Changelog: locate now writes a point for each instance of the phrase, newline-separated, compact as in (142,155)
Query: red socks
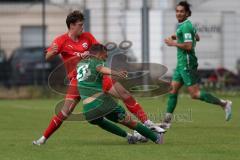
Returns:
(135,108)
(54,124)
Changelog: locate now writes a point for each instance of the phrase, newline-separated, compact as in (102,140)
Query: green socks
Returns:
(146,132)
(209,98)
(172,102)
(110,127)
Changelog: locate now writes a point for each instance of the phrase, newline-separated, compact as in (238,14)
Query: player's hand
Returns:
(122,74)
(169,41)
(173,37)
(54,48)
(85,55)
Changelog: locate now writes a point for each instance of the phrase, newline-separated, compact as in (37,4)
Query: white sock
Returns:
(168,115)
(42,139)
(128,135)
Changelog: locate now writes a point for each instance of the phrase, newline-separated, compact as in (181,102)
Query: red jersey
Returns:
(70,50)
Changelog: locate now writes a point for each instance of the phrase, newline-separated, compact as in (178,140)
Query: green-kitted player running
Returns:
(100,108)
(186,70)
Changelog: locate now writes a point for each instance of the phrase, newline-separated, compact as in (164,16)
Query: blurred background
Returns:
(27,27)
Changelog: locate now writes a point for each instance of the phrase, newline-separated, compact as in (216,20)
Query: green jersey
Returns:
(90,83)
(186,32)
(89,79)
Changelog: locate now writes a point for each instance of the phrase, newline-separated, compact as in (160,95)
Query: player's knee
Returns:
(194,95)
(174,91)
(128,121)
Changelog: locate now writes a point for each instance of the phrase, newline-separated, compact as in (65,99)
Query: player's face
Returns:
(181,14)
(77,28)
(103,55)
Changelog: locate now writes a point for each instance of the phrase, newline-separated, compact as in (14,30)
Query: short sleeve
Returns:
(187,33)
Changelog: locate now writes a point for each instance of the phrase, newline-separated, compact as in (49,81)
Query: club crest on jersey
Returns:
(85,45)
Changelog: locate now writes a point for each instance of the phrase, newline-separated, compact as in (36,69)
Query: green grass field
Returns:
(199,132)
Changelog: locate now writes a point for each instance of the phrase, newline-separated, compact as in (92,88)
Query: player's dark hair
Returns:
(97,48)
(186,6)
(73,17)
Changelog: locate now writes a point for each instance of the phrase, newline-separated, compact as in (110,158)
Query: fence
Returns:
(30,26)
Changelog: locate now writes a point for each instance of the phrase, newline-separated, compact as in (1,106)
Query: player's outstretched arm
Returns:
(108,71)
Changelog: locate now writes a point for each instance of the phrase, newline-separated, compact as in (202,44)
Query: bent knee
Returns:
(194,95)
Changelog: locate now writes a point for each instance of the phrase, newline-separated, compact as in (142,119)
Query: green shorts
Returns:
(104,106)
(188,77)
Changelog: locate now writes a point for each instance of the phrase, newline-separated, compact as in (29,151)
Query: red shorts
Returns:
(72,90)
(107,83)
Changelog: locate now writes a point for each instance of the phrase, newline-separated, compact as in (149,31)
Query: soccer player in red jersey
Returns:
(72,47)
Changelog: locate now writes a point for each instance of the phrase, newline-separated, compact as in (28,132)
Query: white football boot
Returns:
(42,140)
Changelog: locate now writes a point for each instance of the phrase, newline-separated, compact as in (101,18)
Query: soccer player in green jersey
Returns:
(186,71)
(99,107)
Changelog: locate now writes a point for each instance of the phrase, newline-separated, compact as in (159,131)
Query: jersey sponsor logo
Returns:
(188,36)
(77,54)
(85,45)
(70,46)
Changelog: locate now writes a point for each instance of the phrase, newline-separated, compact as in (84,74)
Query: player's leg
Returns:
(190,78)
(71,100)
(117,90)
(176,85)
(173,96)
(202,95)
(119,115)
(110,127)
(103,104)
(91,112)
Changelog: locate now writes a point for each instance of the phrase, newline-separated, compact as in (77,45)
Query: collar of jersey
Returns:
(183,22)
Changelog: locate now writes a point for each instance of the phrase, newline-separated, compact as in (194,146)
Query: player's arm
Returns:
(186,45)
(108,71)
(197,37)
(174,37)
(187,39)
(51,52)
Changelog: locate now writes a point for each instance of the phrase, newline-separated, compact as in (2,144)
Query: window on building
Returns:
(31,36)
